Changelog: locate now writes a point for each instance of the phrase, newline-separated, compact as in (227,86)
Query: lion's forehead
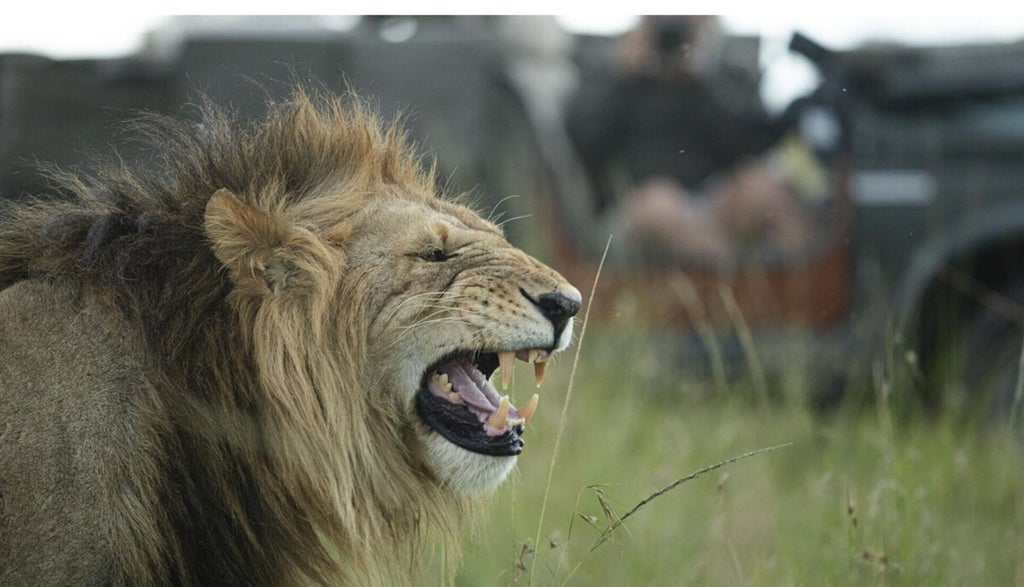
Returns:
(466,217)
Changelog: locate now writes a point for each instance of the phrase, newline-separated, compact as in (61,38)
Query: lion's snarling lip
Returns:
(457,400)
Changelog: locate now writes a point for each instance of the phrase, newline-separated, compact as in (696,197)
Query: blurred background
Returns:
(814,234)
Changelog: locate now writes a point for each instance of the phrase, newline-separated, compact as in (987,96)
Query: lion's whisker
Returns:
(490,217)
(504,222)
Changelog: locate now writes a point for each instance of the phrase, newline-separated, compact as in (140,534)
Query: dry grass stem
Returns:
(614,525)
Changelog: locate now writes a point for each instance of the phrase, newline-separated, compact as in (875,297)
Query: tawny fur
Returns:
(241,346)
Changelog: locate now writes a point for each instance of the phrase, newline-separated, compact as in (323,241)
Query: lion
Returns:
(264,359)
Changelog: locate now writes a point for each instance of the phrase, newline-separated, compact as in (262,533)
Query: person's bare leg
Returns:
(661,211)
(757,203)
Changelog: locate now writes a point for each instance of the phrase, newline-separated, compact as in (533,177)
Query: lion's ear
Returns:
(248,242)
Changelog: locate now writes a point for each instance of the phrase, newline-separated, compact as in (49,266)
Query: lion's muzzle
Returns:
(557,307)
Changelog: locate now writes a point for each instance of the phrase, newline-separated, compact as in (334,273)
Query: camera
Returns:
(672,34)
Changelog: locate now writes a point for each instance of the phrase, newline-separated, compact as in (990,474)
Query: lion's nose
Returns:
(558,308)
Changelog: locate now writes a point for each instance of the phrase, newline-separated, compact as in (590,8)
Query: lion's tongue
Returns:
(494,412)
(471,385)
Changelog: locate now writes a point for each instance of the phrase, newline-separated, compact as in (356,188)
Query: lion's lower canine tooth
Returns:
(455,398)
(538,372)
(506,362)
(526,412)
(532,355)
(500,417)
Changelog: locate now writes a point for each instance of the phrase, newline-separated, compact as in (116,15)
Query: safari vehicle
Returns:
(919,261)
(938,143)
(922,222)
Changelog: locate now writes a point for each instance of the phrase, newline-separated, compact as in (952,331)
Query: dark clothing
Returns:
(652,127)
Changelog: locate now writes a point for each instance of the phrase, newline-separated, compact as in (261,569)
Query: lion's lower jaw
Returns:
(464,472)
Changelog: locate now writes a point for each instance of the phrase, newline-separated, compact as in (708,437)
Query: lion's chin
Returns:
(464,472)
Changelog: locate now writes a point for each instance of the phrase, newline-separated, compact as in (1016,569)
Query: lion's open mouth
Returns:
(458,401)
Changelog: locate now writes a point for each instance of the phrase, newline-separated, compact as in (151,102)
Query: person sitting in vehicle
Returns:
(700,184)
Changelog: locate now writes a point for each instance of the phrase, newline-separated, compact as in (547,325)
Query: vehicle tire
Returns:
(991,361)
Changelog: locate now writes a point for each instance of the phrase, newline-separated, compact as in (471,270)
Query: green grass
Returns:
(859,497)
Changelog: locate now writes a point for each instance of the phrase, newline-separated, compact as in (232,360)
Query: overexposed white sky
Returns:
(95,31)
(60,35)
(92,31)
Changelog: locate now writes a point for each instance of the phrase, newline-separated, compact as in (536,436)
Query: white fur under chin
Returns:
(465,472)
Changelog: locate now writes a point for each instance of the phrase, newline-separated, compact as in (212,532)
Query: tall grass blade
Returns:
(565,405)
(684,289)
(1018,392)
(757,373)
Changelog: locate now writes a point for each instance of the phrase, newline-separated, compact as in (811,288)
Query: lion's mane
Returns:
(253,477)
